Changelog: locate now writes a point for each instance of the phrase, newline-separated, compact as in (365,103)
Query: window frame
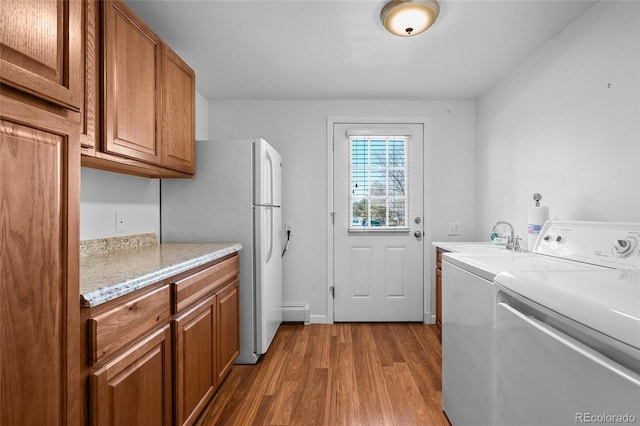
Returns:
(387,199)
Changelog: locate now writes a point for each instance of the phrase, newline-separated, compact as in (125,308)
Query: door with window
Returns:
(378,222)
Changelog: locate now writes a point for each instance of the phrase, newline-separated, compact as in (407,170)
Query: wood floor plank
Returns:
(338,374)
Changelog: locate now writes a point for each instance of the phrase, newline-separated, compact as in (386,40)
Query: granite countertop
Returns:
(104,277)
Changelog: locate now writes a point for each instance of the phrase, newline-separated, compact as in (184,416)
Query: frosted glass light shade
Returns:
(406,18)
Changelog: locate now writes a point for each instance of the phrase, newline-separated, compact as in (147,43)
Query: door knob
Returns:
(417,234)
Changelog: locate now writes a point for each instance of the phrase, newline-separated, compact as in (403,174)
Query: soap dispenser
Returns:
(537,217)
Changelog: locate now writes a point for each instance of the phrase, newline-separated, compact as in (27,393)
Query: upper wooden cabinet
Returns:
(147,101)
(132,61)
(90,111)
(178,120)
(40,49)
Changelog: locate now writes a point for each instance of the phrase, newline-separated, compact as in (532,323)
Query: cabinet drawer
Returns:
(111,330)
(194,287)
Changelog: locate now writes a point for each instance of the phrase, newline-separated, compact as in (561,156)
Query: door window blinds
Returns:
(379,185)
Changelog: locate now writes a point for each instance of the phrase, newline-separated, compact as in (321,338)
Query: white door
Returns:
(378,223)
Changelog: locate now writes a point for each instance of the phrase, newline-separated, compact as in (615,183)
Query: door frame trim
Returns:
(332,120)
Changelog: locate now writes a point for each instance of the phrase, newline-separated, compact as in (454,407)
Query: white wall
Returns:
(202,118)
(298,129)
(566,123)
(104,193)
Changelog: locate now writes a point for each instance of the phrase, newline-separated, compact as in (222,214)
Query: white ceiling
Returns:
(332,49)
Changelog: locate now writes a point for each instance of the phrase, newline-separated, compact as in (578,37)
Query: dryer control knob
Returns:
(624,247)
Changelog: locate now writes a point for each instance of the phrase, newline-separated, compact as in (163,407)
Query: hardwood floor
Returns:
(338,374)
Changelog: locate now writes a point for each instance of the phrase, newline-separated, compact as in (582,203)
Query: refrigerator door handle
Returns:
(270,227)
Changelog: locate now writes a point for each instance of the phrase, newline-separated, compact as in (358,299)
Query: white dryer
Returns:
(469,367)
(567,343)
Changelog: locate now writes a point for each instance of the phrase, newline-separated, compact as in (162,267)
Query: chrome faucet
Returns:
(513,243)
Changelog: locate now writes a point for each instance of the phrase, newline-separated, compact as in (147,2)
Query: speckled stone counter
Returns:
(109,245)
(104,277)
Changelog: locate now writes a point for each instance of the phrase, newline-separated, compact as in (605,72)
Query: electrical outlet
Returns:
(454,229)
(288,227)
(120,223)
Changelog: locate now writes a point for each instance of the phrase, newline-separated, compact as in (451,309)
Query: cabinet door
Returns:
(89,113)
(132,60)
(228,324)
(135,387)
(40,50)
(195,371)
(39,266)
(178,113)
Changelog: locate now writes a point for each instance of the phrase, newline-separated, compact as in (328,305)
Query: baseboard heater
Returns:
(296,313)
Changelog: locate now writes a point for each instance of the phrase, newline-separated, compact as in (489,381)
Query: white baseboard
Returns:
(296,313)
(318,319)
(429,318)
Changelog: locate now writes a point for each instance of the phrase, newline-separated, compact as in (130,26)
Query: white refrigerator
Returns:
(236,196)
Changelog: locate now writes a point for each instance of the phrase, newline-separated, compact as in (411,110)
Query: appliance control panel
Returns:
(614,245)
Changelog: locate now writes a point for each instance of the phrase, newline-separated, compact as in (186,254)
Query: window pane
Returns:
(396,153)
(396,183)
(378,213)
(359,154)
(359,183)
(397,213)
(378,154)
(378,182)
(360,213)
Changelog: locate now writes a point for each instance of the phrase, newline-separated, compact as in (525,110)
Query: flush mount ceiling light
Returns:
(406,18)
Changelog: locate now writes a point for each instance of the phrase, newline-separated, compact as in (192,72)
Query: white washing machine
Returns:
(468,301)
(567,343)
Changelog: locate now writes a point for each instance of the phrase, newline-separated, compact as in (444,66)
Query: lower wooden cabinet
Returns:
(134,388)
(439,252)
(206,336)
(228,323)
(156,356)
(195,369)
